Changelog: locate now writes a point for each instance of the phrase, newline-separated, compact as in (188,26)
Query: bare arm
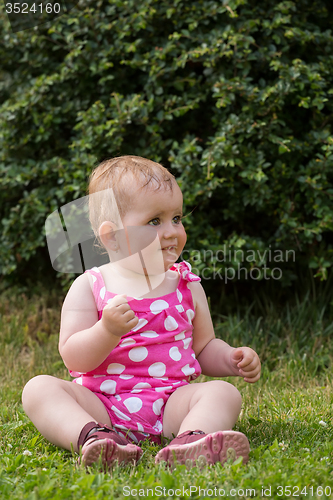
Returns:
(85,341)
(216,357)
(212,354)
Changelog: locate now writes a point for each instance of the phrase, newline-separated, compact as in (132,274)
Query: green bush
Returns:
(235,97)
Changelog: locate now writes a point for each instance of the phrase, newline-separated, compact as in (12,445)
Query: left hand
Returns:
(247,363)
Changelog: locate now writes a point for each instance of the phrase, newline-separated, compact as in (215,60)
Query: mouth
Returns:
(169,249)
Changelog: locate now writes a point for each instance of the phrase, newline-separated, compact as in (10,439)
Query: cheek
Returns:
(182,237)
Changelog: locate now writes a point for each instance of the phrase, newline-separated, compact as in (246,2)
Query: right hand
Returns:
(117,317)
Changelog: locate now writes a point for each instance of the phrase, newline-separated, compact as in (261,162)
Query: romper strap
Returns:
(98,287)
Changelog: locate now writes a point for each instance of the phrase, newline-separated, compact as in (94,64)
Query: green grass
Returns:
(287,415)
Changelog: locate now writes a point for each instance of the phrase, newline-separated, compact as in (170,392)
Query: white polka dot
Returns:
(179,295)
(149,334)
(188,370)
(158,306)
(180,336)
(158,426)
(138,354)
(120,414)
(79,381)
(126,377)
(108,386)
(132,436)
(119,426)
(190,275)
(160,389)
(187,342)
(115,369)
(185,273)
(118,398)
(133,404)
(93,278)
(170,323)
(193,355)
(96,269)
(157,369)
(141,385)
(190,315)
(142,322)
(140,428)
(127,342)
(157,406)
(180,308)
(102,292)
(174,353)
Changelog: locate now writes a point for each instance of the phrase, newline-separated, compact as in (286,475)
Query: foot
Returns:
(197,448)
(99,442)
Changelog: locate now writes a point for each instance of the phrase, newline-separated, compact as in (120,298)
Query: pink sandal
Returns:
(100,442)
(197,448)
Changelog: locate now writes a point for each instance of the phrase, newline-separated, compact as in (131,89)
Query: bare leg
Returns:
(208,406)
(60,409)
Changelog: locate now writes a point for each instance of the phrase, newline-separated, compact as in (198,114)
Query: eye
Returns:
(177,219)
(154,222)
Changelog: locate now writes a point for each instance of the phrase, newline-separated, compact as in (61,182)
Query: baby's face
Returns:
(154,221)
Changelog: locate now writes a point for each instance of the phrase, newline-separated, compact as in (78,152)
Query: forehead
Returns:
(154,196)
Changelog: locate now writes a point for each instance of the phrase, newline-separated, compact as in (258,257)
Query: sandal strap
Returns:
(187,437)
(93,430)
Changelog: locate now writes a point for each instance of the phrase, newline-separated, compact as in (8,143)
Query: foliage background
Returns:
(235,97)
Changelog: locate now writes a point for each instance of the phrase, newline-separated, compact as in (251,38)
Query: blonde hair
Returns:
(111,181)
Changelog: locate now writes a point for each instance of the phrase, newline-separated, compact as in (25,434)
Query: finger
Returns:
(123,308)
(120,299)
(130,315)
(249,363)
(250,374)
(116,301)
(133,322)
(252,380)
(237,355)
(246,361)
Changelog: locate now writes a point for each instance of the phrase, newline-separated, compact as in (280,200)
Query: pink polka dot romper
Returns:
(150,362)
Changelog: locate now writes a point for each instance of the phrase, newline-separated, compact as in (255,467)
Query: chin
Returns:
(168,265)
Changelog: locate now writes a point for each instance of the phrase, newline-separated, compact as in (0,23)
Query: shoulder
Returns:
(81,280)
(80,292)
(198,293)
(84,280)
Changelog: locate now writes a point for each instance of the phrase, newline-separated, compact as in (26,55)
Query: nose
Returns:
(168,230)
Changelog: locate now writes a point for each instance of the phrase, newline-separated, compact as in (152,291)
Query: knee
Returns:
(227,392)
(34,390)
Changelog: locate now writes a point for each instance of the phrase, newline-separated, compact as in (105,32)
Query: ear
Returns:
(107,235)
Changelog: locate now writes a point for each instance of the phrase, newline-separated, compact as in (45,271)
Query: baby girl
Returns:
(135,332)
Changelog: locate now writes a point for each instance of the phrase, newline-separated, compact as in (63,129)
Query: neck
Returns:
(139,283)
